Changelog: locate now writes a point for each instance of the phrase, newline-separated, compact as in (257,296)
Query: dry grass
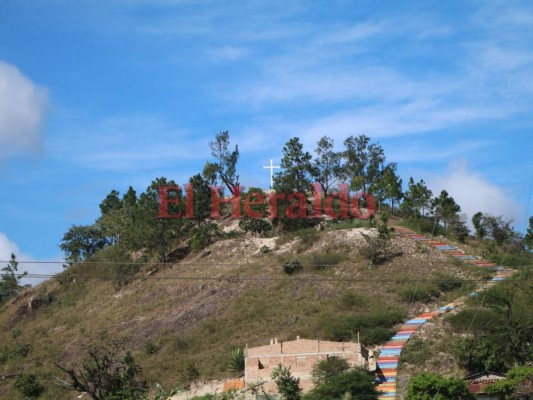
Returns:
(200,321)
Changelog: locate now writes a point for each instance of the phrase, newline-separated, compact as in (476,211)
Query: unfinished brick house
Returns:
(300,355)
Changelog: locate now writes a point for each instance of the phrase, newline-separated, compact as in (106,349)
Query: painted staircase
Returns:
(389,357)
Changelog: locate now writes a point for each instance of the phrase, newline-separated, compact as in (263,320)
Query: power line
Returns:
(239,278)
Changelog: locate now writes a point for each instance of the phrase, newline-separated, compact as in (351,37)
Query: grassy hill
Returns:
(182,319)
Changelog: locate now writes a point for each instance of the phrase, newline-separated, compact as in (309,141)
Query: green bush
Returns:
(447,282)
(255,226)
(423,292)
(201,236)
(325,370)
(474,320)
(324,260)
(15,352)
(373,328)
(187,372)
(416,352)
(265,250)
(351,299)
(236,363)
(478,354)
(291,267)
(432,386)
(150,348)
(357,383)
(29,386)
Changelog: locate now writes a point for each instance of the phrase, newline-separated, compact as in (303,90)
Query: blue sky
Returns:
(96,96)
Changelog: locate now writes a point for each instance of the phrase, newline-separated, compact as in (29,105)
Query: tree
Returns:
(111,202)
(528,239)
(10,280)
(354,384)
(388,185)
(430,386)
(325,370)
(444,208)
(477,221)
(326,168)
(201,197)
(225,165)
(493,227)
(81,241)
(296,165)
(417,198)
(159,235)
(293,181)
(458,228)
(364,161)
(477,354)
(288,386)
(510,388)
(108,373)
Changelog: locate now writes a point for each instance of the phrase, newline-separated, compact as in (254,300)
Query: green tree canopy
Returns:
(296,169)
(444,208)
(355,384)
(326,168)
(430,386)
(10,280)
(364,161)
(225,165)
(288,385)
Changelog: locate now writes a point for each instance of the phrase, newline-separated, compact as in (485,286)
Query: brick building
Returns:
(478,381)
(300,355)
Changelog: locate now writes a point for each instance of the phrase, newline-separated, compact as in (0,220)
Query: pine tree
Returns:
(10,280)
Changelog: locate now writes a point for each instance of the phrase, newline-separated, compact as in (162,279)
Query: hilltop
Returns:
(182,319)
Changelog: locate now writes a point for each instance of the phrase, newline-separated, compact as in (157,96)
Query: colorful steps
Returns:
(389,357)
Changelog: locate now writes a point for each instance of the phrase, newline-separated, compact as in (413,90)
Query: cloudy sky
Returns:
(100,95)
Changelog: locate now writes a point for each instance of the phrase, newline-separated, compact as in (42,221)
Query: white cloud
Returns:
(8,247)
(22,109)
(473,192)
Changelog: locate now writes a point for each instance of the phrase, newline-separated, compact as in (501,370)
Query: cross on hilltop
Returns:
(271,167)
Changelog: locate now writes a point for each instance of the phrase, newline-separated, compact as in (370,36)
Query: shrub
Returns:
(447,282)
(265,250)
(373,328)
(150,348)
(325,370)
(291,267)
(201,236)
(187,372)
(416,352)
(433,386)
(255,226)
(352,299)
(29,386)
(423,292)
(478,354)
(288,386)
(109,372)
(358,384)
(324,260)
(236,362)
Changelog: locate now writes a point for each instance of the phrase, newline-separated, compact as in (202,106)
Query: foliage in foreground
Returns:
(288,385)
(108,373)
(430,386)
(353,384)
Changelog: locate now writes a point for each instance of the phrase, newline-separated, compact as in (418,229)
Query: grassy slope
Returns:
(200,321)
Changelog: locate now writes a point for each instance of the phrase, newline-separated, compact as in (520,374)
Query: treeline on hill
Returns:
(129,230)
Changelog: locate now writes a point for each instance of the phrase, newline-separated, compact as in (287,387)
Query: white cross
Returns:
(271,167)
